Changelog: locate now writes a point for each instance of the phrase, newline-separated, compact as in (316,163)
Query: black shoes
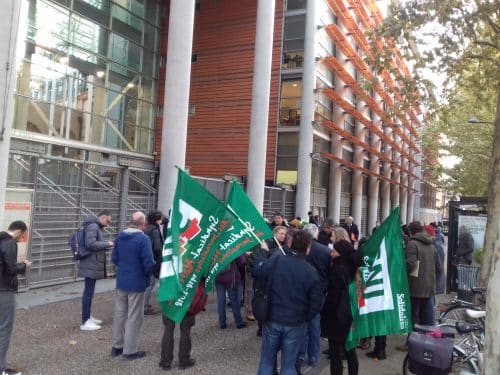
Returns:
(115,352)
(242,325)
(166,367)
(380,355)
(189,363)
(136,355)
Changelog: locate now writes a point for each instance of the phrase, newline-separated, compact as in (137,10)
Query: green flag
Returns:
(380,299)
(197,222)
(243,235)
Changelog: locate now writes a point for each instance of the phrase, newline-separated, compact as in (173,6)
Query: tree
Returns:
(467,49)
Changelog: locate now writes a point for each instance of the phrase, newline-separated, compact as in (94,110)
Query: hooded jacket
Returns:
(9,267)
(94,265)
(155,236)
(133,258)
(420,249)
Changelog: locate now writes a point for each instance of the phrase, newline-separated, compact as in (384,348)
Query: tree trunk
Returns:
(491,258)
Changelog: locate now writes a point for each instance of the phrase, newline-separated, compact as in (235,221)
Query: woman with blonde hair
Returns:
(338,234)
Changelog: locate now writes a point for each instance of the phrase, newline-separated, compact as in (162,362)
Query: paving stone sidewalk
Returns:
(47,340)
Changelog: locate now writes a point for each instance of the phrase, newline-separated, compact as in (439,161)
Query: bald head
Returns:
(138,219)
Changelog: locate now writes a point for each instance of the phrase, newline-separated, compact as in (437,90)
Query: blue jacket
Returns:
(296,295)
(133,257)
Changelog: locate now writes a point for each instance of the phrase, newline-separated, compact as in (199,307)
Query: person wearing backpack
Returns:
(167,344)
(93,266)
(9,269)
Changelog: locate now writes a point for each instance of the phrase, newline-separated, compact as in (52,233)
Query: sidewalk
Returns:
(47,340)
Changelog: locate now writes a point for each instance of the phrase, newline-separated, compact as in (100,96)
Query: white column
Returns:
(8,34)
(304,163)
(335,178)
(397,175)
(374,183)
(175,109)
(259,116)
(385,208)
(357,178)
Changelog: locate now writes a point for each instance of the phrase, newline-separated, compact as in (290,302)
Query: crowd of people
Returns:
(305,268)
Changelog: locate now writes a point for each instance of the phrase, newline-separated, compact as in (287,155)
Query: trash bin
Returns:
(467,276)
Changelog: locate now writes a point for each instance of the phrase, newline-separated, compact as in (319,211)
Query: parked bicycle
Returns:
(455,312)
(445,348)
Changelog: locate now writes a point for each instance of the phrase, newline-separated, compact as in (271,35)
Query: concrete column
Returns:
(397,176)
(175,109)
(374,184)
(403,198)
(122,222)
(259,116)
(411,201)
(357,178)
(8,34)
(335,178)
(304,167)
(385,208)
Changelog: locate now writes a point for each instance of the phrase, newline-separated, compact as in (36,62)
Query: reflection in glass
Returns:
(84,75)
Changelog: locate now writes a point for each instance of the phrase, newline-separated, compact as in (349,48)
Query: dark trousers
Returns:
(88,294)
(167,344)
(336,367)
(422,311)
(7,310)
(380,343)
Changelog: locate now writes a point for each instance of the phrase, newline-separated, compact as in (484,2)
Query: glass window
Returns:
(294,31)
(288,146)
(77,80)
(346,181)
(291,92)
(296,4)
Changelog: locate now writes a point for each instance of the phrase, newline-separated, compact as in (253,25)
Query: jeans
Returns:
(7,311)
(234,299)
(276,337)
(310,344)
(422,311)
(149,289)
(88,294)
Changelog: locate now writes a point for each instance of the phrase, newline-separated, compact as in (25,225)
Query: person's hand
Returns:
(110,243)
(27,263)
(335,254)
(263,246)
(248,253)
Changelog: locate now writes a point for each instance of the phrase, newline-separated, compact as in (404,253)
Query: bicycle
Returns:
(467,356)
(456,311)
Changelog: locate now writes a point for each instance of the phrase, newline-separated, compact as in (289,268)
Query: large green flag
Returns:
(380,299)
(243,235)
(197,222)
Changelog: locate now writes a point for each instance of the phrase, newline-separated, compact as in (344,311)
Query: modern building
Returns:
(101,99)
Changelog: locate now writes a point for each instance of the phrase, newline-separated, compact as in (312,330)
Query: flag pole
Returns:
(244,224)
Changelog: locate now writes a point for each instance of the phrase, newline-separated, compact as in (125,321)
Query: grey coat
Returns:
(94,265)
(420,249)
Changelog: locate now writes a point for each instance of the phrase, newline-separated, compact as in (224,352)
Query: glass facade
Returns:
(87,70)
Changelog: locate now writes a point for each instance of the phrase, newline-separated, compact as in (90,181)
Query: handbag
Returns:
(414,272)
(261,300)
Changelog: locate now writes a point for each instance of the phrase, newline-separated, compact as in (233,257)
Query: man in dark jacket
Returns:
(320,258)
(352,229)
(9,269)
(133,258)
(326,232)
(422,264)
(295,299)
(153,231)
(93,266)
(465,246)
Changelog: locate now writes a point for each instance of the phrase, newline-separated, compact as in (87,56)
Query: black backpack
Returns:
(76,241)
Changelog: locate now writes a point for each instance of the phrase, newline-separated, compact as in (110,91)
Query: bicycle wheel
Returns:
(406,364)
(454,314)
(463,364)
